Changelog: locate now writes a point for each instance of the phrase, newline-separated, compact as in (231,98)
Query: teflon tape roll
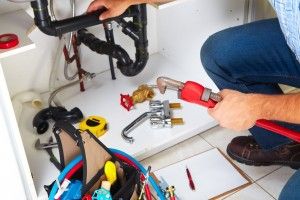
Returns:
(8,40)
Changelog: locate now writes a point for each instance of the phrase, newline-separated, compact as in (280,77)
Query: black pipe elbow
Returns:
(40,121)
(48,30)
(137,27)
(136,67)
(43,20)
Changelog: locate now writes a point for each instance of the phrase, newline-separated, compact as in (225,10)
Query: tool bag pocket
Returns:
(72,142)
(128,188)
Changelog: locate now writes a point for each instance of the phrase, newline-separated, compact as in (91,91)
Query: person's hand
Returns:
(237,111)
(114,7)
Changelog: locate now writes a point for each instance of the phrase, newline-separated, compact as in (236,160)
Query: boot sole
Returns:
(245,161)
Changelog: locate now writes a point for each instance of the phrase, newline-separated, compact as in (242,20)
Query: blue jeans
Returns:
(253,58)
(291,190)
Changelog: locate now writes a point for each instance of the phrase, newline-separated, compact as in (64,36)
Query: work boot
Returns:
(245,149)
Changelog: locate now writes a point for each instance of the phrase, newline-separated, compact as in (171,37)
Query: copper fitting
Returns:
(164,82)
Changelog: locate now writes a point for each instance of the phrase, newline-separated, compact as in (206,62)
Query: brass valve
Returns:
(143,93)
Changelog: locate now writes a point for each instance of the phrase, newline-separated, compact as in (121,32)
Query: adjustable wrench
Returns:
(195,93)
(48,148)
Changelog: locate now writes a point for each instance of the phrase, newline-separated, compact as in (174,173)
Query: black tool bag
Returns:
(72,142)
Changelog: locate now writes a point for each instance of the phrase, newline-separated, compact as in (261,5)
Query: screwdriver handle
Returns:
(191,182)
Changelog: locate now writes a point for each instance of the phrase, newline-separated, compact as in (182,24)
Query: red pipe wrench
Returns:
(195,93)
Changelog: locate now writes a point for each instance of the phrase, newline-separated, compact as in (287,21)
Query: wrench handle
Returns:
(192,92)
(271,126)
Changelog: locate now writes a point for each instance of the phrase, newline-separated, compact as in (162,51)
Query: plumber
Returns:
(246,63)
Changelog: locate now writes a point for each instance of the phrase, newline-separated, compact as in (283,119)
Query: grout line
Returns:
(185,158)
(178,145)
(247,187)
(199,135)
(181,159)
(268,174)
(205,139)
(266,191)
(264,177)
(236,192)
(254,182)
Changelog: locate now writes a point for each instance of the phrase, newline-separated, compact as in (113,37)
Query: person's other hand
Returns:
(237,111)
(114,7)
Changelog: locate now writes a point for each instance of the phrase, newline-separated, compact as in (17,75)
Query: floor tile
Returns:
(221,137)
(181,151)
(256,172)
(252,192)
(274,182)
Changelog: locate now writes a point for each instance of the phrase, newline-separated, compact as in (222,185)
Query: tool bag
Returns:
(72,142)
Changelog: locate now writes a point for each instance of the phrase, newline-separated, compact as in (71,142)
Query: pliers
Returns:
(195,93)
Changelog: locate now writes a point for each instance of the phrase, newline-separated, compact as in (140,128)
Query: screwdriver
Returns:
(191,182)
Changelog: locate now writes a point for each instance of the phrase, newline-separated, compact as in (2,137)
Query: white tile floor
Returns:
(267,181)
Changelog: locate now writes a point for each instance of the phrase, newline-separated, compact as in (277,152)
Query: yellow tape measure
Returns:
(95,124)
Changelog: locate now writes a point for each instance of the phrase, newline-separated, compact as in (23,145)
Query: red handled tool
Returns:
(195,93)
(190,178)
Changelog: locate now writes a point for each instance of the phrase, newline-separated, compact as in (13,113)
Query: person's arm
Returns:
(239,111)
(116,7)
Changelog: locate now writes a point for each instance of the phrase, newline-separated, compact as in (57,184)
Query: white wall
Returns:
(183,28)
(34,66)
(7,6)
(261,9)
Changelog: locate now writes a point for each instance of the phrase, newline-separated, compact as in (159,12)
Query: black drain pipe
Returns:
(137,27)
(136,30)
(57,28)
(103,47)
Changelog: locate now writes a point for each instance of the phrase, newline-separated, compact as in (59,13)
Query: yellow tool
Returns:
(95,124)
(110,171)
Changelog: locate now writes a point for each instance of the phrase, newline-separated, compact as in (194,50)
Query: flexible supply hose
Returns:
(54,93)
(69,46)
(69,43)
(87,76)
(51,7)
(53,73)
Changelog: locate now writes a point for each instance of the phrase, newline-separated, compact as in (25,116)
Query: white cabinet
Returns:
(14,171)
(176,33)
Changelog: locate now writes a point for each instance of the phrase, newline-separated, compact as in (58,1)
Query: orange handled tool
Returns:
(195,93)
